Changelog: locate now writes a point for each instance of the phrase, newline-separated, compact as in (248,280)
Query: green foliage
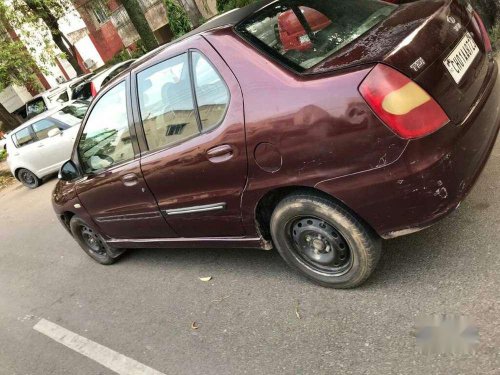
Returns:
(3,154)
(16,65)
(178,19)
(125,55)
(489,11)
(226,5)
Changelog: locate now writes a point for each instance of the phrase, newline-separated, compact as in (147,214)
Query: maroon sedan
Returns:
(319,127)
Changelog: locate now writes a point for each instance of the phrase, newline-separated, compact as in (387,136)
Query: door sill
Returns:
(198,242)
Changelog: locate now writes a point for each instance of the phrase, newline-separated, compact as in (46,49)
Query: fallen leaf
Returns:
(194,325)
(206,278)
(297,310)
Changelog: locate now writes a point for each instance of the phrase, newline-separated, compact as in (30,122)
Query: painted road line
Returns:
(115,361)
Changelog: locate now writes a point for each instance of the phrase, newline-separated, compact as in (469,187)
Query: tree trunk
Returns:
(140,23)
(193,12)
(41,10)
(9,122)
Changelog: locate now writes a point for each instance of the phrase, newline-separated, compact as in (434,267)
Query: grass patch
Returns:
(6,179)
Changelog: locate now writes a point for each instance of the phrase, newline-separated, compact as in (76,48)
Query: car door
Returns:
(193,140)
(113,190)
(51,152)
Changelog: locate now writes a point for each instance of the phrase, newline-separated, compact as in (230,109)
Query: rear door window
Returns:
(23,137)
(166,103)
(212,94)
(43,127)
(302,33)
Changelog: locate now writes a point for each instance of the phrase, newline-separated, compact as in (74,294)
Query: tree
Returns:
(226,5)
(177,18)
(22,13)
(193,12)
(140,23)
(16,67)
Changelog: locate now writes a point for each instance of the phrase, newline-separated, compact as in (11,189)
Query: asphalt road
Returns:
(144,306)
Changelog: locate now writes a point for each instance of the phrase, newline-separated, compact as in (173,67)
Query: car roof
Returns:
(227,19)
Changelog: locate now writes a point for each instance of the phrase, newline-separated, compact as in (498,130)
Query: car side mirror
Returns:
(54,132)
(68,171)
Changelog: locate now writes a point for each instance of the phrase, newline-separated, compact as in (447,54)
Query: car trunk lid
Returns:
(417,39)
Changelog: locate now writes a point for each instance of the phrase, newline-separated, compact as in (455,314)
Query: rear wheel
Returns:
(93,243)
(28,178)
(324,242)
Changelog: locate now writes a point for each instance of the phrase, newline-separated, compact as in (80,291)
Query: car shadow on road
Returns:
(404,260)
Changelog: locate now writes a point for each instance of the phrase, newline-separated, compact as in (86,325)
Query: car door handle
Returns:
(130,179)
(220,154)
(40,145)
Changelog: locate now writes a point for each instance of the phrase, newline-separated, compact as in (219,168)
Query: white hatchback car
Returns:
(41,145)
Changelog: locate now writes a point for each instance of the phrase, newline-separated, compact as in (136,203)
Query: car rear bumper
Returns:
(431,178)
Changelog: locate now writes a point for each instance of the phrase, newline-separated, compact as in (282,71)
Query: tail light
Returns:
(401,104)
(484,32)
(93,90)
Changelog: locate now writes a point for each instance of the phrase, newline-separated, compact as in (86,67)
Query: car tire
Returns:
(93,243)
(324,241)
(28,178)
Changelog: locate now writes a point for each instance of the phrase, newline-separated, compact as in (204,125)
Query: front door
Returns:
(195,162)
(113,190)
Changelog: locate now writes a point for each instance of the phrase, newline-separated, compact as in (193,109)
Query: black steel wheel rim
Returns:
(320,245)
(27,177)
(93,241)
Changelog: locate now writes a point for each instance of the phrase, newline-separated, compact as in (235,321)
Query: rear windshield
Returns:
(302,33)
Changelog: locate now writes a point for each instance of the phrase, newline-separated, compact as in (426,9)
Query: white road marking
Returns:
(115,361)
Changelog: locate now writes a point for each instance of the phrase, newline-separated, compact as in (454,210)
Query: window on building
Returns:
(99,10)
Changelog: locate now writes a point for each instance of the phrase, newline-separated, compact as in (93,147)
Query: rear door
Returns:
(113,190)
(52,151)
(193,140)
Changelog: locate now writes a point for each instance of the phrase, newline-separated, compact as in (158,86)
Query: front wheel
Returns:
(324,242)
(93,243)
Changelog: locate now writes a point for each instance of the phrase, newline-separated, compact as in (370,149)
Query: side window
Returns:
(23,137)
(105,140)
(166,103)
(36,107)
(42,128)
(212,94)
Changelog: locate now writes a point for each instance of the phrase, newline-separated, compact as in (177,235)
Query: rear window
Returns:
(301,34)
(35,107)
(72,114)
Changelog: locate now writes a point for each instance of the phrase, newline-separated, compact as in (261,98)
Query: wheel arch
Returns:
(18,168)
(268,202)
(65,218)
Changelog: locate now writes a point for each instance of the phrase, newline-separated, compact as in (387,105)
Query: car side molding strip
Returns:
(195,209)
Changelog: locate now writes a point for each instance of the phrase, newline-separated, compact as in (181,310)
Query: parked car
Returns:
(377,127)
(41,145)
(53,98)
(90,87)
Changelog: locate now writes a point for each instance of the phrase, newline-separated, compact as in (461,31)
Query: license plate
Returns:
(462,57)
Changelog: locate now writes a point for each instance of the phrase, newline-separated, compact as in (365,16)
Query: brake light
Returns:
(401,104)
(484,32)
(93,90)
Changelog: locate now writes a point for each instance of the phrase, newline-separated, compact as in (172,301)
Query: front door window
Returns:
(106,140)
